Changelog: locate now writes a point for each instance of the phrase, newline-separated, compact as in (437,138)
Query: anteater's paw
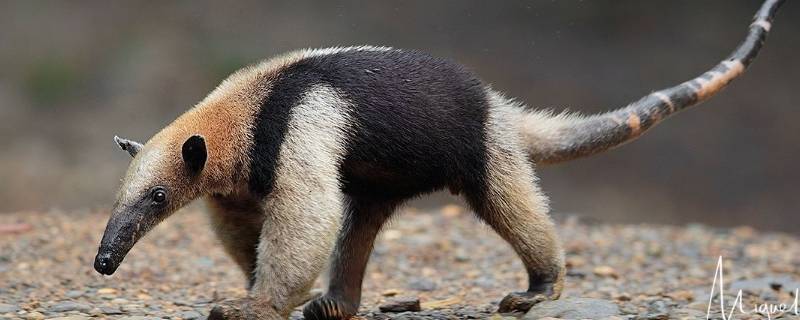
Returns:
(328,308)
(520,301)
(243,309)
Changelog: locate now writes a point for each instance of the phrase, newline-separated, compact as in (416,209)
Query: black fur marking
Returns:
(750,47)
(271,124)
(419,122)
(681,96)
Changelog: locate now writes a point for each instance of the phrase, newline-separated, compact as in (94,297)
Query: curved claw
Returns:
(244,309)
(328,308)
(520,301)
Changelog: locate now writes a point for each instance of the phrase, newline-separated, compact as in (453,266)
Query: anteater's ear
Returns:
(194,153)
(132,147)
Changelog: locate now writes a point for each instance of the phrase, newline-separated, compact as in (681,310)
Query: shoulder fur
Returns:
(225,118)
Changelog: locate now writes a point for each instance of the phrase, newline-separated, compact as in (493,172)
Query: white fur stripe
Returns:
(335,50)
(664,98)
(304,209)
(764,24)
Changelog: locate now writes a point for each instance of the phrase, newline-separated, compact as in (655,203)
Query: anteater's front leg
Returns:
(297,238)
(302,210)
(237,223)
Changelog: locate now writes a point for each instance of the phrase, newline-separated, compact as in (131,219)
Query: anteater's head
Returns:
(165,175)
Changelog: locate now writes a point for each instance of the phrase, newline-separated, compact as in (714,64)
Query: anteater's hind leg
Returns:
(362,222)
(512,204)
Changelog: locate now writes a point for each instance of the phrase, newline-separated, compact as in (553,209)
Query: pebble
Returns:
(390,292)
(66,306)
(401,304)
(34,316)
(658,310)
(605,271)
(6,308)
(72,294)
(573,308)
(107,291)
(190,315)
(110,310)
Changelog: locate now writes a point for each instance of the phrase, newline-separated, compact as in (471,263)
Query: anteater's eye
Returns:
(159,196)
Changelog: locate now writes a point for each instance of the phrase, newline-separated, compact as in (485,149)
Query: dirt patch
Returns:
(456,266)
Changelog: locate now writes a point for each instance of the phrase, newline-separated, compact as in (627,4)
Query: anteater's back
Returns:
(418,120)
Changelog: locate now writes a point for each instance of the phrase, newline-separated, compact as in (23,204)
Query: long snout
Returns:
(122,232)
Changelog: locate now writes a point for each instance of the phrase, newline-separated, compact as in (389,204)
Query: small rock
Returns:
(131,308)
(683,295)
(96,312)
(119,301)
(658,310)
(106,291)
(422,284)
(143,296)
(110,310)
(34,316)
(190,315)
(76,317)
(6,308)
(72,294)
(605,271)
(390,292)
(66,306)
(462,255)
(182,303)
(622,297)
(573,308)
(401,304)
(392,234)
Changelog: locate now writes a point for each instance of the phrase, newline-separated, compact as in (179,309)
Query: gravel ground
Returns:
(455,265)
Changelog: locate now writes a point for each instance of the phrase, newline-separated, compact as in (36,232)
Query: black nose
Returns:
(104,264)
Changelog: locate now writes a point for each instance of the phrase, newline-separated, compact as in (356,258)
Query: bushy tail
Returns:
(556,138)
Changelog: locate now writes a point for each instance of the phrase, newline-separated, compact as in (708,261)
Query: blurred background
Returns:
(74,74)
